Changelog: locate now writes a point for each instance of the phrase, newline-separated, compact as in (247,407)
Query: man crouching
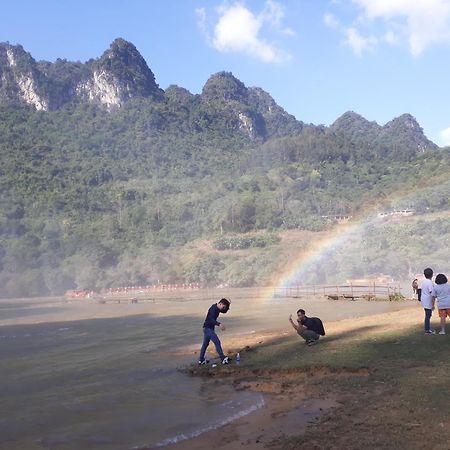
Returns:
(309,328)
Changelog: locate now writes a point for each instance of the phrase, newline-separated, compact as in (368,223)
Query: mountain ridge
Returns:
(121,74)
(105,187)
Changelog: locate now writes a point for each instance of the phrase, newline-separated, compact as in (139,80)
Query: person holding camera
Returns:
(309,328)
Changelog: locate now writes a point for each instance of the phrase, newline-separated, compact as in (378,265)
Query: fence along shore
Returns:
(350,291)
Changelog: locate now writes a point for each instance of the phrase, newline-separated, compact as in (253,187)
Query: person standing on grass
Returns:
(309,328)
(442,295)
(209,334)
(415,286)
(427,299)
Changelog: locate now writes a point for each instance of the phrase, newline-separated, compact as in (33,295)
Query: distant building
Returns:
(338,217)
(397,212)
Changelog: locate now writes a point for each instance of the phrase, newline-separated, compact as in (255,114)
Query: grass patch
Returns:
(399,400)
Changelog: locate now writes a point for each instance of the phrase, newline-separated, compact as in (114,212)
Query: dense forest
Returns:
(174,187)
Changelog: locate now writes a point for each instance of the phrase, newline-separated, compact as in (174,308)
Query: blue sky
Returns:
(317,58)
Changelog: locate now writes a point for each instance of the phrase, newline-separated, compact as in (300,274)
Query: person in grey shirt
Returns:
(442,294)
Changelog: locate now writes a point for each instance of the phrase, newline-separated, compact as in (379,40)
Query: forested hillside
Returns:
(174,187)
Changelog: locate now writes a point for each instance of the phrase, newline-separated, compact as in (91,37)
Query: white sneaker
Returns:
(430,332)
(226,360)
(442,332)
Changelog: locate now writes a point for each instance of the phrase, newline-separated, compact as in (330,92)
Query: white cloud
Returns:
(201,21)
(273,13)
(238,30)
(359,43)
(391,38)
(353,38)
(444,136)
(331,21)
(423,22)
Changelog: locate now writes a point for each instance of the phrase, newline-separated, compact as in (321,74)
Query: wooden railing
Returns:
(344,291)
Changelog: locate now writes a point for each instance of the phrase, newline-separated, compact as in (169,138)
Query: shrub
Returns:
(244,241)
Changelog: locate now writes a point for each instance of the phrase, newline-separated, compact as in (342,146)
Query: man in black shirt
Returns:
(309,328)
(208,330)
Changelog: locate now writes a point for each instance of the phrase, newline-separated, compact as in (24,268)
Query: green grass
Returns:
(400,399)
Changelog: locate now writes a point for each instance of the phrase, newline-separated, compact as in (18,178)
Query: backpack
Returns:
(318,326)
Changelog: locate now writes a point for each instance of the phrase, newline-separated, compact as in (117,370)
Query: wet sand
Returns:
(258,429)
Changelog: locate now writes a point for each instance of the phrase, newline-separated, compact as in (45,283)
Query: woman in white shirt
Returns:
(442,295)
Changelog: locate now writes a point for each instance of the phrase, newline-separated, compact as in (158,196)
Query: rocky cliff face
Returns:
(20,80)
(407,127)
(118,76)
(122,74)
(225,104)
(250,109)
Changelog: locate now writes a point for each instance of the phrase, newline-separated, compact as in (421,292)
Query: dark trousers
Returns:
(210,335)
(308,335)
(426,323)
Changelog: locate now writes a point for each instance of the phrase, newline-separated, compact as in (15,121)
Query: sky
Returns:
(316,58)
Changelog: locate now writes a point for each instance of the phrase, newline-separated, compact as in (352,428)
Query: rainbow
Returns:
(334,241)
(343,234)
(298,268)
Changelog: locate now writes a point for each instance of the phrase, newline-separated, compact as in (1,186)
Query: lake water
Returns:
(81,375)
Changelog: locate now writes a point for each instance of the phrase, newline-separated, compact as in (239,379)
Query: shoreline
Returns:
(275,419)
(290,406)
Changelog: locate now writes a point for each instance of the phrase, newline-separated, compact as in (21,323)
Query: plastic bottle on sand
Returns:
(238,358)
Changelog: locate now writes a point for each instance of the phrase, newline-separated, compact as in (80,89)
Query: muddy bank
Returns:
(298,397)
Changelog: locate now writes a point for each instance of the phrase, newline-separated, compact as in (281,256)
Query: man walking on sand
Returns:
(309,328)
(222,306)
(427,299)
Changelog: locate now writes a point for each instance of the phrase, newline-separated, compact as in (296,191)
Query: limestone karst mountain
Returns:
(106,179)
